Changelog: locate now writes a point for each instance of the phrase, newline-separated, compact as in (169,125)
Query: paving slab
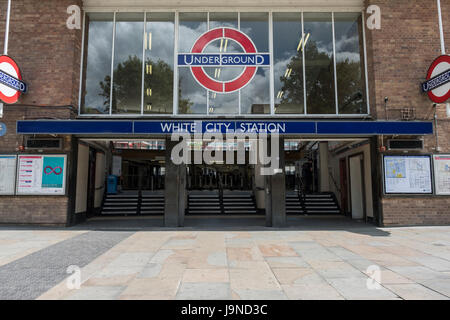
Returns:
(414,291)
(204,291)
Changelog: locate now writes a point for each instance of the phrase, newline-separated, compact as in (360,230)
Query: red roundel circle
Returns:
(441,94)
(223,86)
(8,65)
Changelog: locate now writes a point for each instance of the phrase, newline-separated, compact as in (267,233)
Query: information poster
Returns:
(442,174)
(7,174)
(41,175)
(407,174)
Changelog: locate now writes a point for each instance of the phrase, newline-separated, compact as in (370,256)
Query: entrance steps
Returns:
(231,202)
(310,204)
(134,203)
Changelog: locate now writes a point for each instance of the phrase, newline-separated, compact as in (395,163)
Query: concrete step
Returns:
(204,212)
(119,213)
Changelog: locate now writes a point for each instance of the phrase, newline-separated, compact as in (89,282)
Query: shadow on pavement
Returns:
(219,223)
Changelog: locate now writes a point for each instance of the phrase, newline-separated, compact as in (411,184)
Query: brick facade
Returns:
(48,54)
(399,57)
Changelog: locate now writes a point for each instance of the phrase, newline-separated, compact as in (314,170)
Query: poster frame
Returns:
(64,193)
(429,156)
(15,174)
(436,192)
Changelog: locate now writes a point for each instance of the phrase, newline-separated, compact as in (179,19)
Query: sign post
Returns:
(5,52)
(441,32)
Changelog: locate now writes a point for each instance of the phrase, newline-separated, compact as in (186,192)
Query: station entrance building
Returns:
(158,109)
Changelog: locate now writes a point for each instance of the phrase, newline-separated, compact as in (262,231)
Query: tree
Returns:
(127,88)
(320,93)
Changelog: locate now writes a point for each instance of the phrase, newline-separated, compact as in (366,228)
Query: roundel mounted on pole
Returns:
(437,85)
(11,84)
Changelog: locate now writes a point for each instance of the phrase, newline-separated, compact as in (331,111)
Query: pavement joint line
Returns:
(420,283)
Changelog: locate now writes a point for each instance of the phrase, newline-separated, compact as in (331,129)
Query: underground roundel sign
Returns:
(249,60)
(438,80)
(11,84)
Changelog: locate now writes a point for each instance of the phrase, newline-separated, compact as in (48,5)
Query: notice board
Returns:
(442,174)
(407,175)
(7,174)
(41,174)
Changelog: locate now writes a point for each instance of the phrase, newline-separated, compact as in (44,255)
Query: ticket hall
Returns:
(172,112)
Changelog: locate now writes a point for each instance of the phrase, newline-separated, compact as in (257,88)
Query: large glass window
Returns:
(95,89)
(288,63)
(223,103)
(159,58)
(255,97)
(127,76)
(317,64)
(350,63)
(191,95)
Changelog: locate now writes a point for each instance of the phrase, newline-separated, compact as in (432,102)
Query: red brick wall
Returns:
(48,54)
(399,56)
(420,211)
(45,210)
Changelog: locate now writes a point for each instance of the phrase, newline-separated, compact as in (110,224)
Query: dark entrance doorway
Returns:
(219,177)
(90,209)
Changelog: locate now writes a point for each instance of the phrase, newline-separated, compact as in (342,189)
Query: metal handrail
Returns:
(338,189)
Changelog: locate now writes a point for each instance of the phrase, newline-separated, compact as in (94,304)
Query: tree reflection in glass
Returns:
(191,95)
(159,59)
(98,53)
(127,81)
(288,63)
(350,63)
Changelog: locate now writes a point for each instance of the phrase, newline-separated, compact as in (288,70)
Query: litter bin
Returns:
(112,184)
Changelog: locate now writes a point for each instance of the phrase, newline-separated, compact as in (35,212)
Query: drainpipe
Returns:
(5,52)
(441,32)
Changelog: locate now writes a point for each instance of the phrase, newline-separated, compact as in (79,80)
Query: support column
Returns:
(175,190)
(275,194)
(258,187)
(323,169)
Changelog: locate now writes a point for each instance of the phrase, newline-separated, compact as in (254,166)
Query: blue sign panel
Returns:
(2,129)
(12,82)
(338,128)
(244,127)
(436,82)
(217,60)
(374,128)
(75,127)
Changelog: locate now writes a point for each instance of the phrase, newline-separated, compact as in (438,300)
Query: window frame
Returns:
(272,113)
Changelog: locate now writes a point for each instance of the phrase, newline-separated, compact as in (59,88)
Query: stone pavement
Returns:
(312,260)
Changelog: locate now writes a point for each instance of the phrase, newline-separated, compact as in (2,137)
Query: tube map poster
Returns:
(407,174)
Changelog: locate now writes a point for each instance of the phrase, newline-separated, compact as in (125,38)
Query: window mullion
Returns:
(334,62)
(272,74)
(112,65)
(144,40)
(304,66)
(175,66)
